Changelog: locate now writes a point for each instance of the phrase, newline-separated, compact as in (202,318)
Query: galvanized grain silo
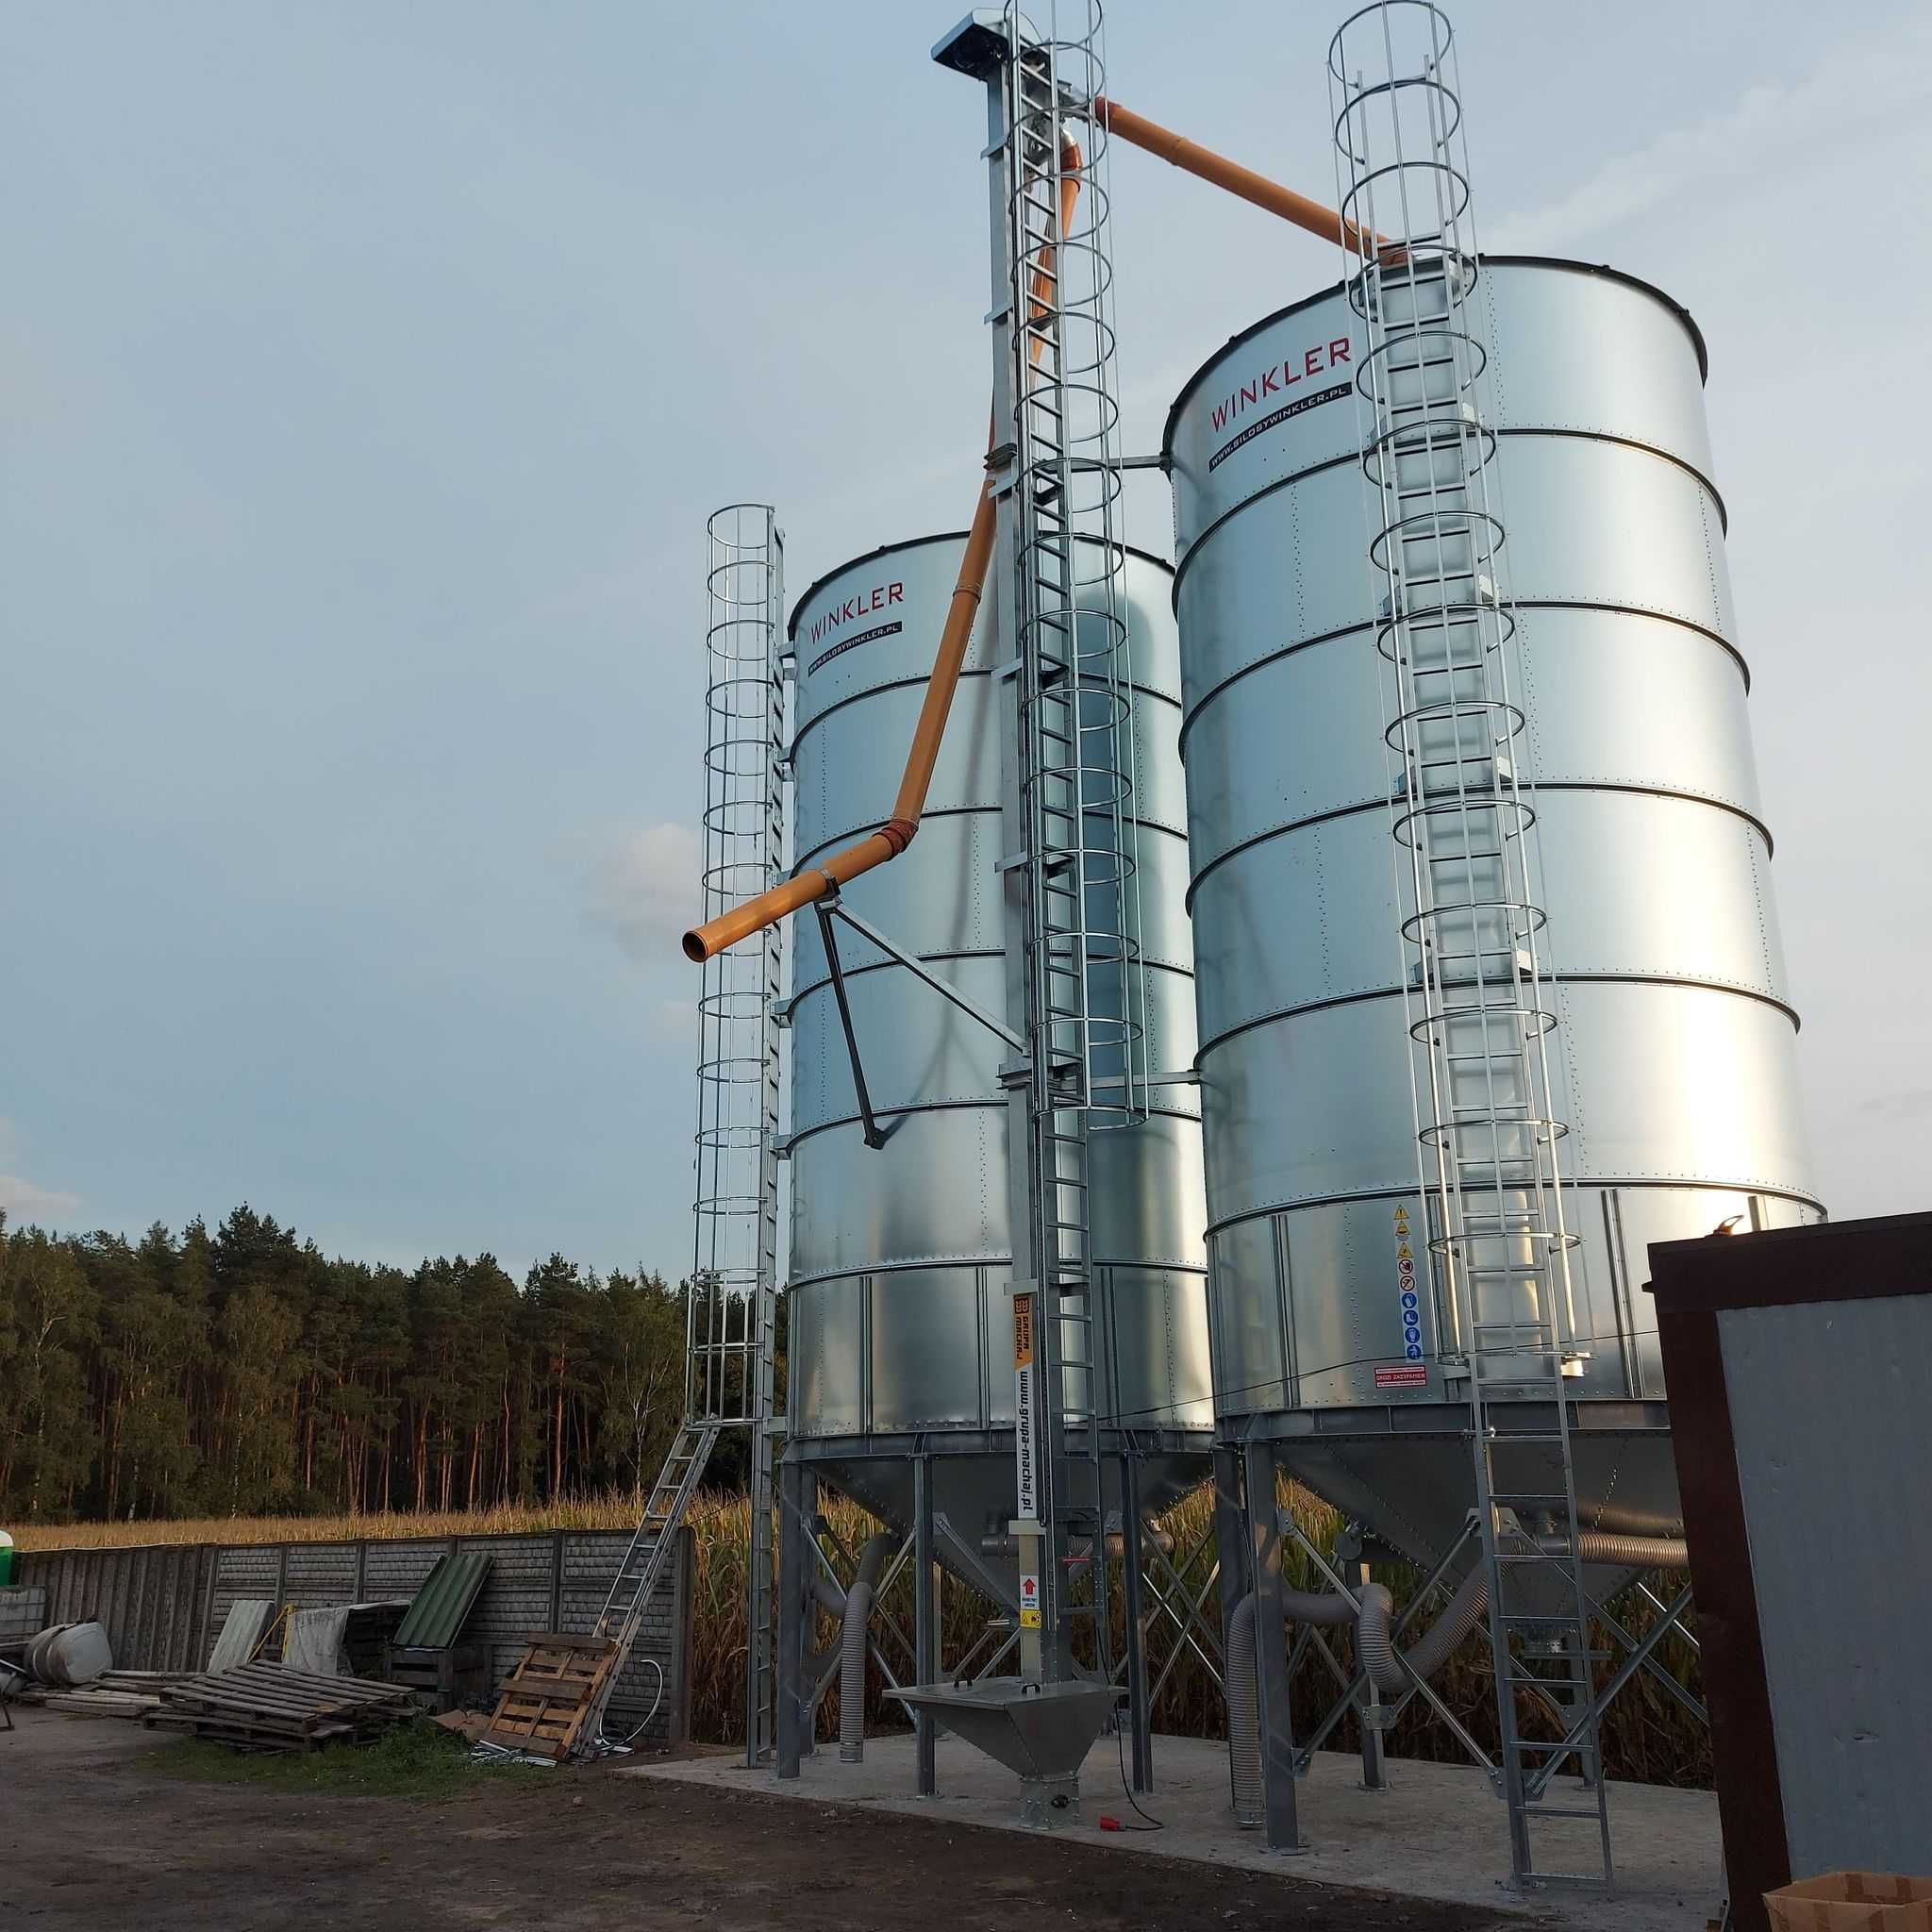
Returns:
(901,1255)
(1674,1044)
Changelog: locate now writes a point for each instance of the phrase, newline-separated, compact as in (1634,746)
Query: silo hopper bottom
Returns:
(1407,1475)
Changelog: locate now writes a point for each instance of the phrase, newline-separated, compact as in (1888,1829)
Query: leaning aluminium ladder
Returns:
(554,1704)
(1479,1000)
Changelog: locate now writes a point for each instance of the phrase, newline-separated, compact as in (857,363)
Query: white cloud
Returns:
(644,887)
(1861,88)
(26,1201)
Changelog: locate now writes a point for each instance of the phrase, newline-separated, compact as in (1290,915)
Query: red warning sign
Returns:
(1409,1375)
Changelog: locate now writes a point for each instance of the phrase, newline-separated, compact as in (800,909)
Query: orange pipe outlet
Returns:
(704,941)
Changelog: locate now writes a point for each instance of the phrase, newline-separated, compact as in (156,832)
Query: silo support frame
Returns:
(1640,1654)
(836,1586)
(1357,1685)
(1252,1531)
(810,1576)
(1264,1544)
(1160,1589)
(798,1501)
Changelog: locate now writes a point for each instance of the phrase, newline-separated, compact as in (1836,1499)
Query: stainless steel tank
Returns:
(1675,1072)
(899,1293)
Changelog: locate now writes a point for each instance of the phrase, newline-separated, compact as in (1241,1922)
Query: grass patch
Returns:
(418,1760)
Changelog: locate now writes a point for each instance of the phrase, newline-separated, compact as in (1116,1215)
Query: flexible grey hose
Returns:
(852,1648)
(1627,1522)
(1634,1552)
(1464,1612)
(1315,1606)
(1375,1649)
(1244,1691)
(1471,1599)
(1244,1716)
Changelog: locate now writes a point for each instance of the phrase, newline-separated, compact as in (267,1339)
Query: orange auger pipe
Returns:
(892,838)
(705,941)
(1138,131)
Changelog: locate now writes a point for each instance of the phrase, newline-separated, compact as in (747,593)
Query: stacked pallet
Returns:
(113,1694)
(93,1702)
(266,1707)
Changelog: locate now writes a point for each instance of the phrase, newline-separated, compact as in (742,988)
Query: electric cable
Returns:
(1153,1823)
(607,1747)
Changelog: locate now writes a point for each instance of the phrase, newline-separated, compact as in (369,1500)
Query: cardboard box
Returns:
(1852,1901)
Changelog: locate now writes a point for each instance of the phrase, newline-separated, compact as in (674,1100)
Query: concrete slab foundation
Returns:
(1437,1833)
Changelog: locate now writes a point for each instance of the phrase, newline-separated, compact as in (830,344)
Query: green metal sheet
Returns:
(435,1619)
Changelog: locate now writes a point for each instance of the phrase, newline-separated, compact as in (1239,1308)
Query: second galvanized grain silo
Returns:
(1675,1048)
(899,1297)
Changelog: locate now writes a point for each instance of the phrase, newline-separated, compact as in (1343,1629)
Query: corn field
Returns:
(1647,1734)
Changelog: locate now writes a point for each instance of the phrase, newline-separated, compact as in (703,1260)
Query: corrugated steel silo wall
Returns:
(1677,1075)
(901,1258)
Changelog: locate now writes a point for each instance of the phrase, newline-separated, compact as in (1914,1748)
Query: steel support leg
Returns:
(1374,1777)
(1270,1653)
(798,1501)
(926,1620)
(1231,1545)
(1139,1715)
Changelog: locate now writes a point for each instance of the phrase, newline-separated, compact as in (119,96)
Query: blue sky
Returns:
(367,371)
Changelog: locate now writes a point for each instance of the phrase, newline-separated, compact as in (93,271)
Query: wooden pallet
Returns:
(268,1707)
(93,1702)
(555,1687)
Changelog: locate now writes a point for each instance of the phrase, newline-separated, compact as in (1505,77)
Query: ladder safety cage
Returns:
(554,1701)
(731,1310)
(1478,1003)
(1085,989)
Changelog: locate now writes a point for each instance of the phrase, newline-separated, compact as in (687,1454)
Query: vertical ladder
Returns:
(1478,1009)
(761,1684)
(554,1701)
(1085,982)
(1539,1610)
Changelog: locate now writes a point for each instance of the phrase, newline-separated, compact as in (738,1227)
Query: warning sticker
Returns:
(1410,1299)
(1409,1375)
(1029,1600)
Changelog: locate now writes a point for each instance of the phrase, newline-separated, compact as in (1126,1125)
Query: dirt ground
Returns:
(93,1835)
